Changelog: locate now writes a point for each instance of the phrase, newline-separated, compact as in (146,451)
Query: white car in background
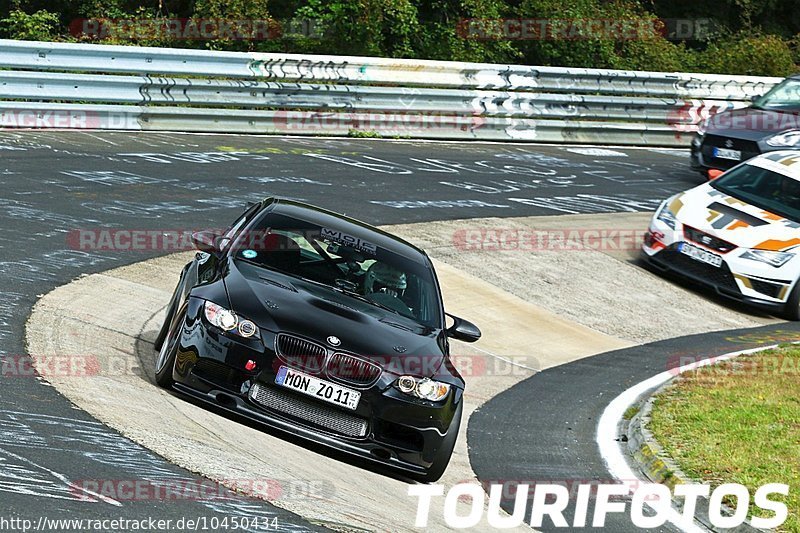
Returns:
(739,234)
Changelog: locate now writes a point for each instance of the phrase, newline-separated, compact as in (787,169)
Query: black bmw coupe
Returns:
(321,326)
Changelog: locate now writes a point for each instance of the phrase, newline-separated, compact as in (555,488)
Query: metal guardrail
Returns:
(195,90)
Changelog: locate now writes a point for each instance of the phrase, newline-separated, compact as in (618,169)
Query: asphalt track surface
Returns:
(54,183)
(542,430)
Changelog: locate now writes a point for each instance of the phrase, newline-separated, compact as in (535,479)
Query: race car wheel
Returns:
(792,309)
(439,465)
(173,304)
(166,354)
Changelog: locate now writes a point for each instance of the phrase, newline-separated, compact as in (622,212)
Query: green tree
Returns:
(39,26)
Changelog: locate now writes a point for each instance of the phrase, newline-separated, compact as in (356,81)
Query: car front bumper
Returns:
(702,157)
(737,279)
(388,427)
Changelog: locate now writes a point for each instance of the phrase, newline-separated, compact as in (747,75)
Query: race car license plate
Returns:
(699,254)
(318,388)
(725,153)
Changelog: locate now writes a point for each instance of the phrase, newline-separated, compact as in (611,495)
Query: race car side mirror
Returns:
(714,173)
(206,241)
(463,330)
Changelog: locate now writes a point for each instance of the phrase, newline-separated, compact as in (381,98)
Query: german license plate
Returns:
(725,153)
(317,388)
(699,254)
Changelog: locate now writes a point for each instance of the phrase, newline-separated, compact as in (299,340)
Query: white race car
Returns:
(739,234)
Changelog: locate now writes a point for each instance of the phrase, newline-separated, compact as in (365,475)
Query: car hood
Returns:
(733,220)
(751,124)
(280,303)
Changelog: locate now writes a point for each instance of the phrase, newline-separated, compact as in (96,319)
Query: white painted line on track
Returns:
(610,449)
(62,478)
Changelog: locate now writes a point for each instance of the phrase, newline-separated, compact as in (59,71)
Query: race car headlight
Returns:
(776,259)
(424,388)
(666,216)
(786,139)
(227,320)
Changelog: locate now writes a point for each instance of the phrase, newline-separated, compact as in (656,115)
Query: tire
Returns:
(165,361)
(439,465)
(173,303)
(792,309)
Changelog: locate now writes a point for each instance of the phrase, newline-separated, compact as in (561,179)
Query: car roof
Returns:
(785,162)
(345,224)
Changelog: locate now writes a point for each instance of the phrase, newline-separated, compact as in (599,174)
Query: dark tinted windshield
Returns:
(762,188)
(783,97)
(346,263)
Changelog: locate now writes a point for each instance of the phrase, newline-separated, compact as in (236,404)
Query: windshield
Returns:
(762,188)
(783,97)
(346,263)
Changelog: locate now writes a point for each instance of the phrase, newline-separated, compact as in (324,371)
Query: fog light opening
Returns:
(225,400)
(380,453)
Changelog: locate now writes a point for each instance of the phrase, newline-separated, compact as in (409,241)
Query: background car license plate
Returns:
(725,153)
(318,388)
(699,254)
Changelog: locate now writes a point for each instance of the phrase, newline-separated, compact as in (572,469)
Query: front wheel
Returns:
(792,309)
(173,304)
(439,465)
(165,361)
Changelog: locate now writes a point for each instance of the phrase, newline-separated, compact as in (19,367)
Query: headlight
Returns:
(785,139)
(227,320)
(776,259)
(424,388)
(666,216)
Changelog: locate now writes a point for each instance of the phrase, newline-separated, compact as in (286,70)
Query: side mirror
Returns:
(714,173)
(463,330)
(206,241)
(755,97)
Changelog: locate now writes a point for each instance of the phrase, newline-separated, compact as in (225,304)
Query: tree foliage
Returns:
(758,37)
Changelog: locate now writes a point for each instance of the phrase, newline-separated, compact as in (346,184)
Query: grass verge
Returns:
(737,421)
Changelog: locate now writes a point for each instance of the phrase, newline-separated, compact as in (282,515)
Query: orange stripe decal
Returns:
(738,224)
(771,216)
(775,245)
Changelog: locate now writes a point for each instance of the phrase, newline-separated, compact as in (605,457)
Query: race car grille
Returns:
(353,370)
(719,277)
(709,241)
(747,148)
(300,353)
(310,411)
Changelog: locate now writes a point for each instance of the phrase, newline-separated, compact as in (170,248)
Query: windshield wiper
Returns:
(362,298)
